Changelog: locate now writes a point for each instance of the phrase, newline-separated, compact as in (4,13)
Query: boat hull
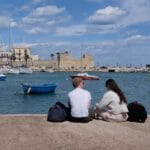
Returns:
(25,71)
(85,77)
(2,77)
(39,89)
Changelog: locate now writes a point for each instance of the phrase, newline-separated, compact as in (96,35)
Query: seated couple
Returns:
(112,107)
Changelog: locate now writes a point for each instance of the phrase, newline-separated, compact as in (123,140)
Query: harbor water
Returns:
(136,87)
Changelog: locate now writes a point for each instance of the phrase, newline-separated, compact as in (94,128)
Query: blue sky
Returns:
(114,32)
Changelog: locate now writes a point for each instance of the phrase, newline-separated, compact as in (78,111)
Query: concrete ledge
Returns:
(33,132)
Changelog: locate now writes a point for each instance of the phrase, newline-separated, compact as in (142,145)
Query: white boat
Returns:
(3,71)
(13,71)
(49,70)
(25,70)
(9,70)
(85,76)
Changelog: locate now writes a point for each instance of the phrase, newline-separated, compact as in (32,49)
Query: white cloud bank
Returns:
(108,15)
(5,22)
(71,30)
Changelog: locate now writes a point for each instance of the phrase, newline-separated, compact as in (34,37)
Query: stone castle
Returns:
(60,60)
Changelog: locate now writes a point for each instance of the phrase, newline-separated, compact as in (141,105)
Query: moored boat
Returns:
(38,88)
(25,70)
(85,76)
(9,70)
(2,77)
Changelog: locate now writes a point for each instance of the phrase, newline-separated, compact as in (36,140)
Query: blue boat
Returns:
(38,88)
(2,77)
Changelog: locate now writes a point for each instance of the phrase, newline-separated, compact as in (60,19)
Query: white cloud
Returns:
(4,21)
(13,24)
(108,15)
(51,22)
(30,4)
(44,19)
(40,14)
(35,30)
(32,20)
(125,14)
(138,12)
(47,11)
(135,37)
(71,30)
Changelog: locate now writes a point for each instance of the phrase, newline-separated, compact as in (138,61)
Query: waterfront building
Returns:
(21,52)
(21,55)
(66,61)
(4,57)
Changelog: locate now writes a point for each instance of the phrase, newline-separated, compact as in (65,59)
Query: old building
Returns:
(19,56)
(21,52)
(66,61)
(4,57)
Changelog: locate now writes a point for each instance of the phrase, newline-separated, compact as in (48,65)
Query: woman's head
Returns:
(76,82)
(112,85)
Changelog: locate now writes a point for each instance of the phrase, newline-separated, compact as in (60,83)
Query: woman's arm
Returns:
(105,101)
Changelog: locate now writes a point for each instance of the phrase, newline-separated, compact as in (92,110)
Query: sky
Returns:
(114,32)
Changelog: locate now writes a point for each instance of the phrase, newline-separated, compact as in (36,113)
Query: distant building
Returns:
(21,52)
(65,61)
(4,57)
(19,56)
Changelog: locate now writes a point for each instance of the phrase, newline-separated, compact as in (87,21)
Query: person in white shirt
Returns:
(113,106)
(79,102)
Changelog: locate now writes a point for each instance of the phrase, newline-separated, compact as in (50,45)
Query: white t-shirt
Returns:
(111,102)
(80,101)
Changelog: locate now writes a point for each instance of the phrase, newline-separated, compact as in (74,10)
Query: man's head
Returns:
(77,82)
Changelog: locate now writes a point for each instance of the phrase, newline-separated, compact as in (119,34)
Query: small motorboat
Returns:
(85,76)
(38,88)
(2,77)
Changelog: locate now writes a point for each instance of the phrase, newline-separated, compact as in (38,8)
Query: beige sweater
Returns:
(110,103)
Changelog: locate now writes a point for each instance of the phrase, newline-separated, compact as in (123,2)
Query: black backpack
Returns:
(137,112)
(57,113)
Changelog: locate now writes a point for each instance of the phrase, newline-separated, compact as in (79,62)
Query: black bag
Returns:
(137,112)
(57,113)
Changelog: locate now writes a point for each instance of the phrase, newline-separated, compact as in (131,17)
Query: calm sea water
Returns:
(136,86)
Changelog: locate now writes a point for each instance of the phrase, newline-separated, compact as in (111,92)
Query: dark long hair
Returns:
(112,85)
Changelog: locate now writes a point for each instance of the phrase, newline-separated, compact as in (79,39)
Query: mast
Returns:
(10,37)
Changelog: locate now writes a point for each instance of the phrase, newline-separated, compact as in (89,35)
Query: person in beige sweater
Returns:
(113,106)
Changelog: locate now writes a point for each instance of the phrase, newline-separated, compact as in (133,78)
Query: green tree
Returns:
(12,58)
(26,56)
(52,56)
(58,59)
